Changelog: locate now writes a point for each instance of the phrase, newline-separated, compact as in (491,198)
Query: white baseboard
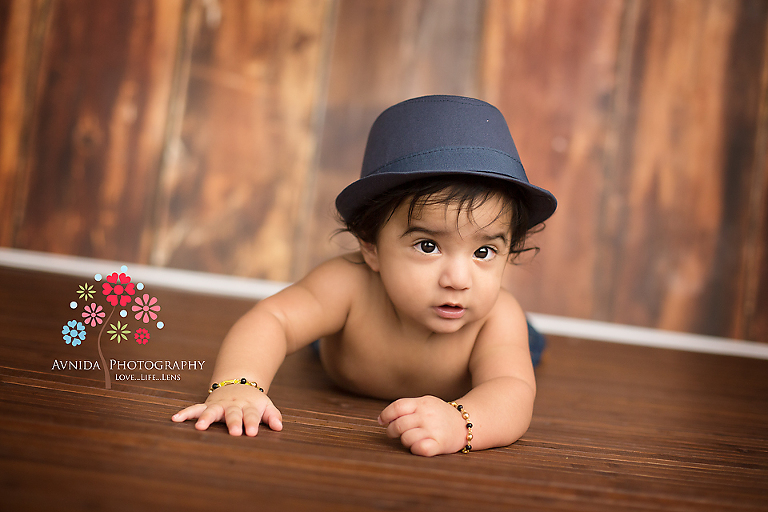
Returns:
(632,335)
(240,287)
(186,280)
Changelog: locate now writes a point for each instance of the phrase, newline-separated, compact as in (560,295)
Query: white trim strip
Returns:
(631,335)
(186,280)
(256,289)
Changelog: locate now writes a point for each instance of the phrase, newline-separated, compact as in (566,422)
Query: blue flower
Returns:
(74,332)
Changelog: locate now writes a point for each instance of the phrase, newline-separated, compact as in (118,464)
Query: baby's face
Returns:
(444,269)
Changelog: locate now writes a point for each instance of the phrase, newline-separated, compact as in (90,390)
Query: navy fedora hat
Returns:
(441,135)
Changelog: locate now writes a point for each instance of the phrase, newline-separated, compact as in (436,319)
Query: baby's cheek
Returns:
(486,299)
(406,287)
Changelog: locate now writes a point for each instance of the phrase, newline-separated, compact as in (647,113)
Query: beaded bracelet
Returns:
(465,415)
(217,385)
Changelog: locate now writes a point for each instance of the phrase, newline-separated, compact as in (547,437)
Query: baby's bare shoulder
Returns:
(506,303)
(347,274)
(506,317)
(346,265)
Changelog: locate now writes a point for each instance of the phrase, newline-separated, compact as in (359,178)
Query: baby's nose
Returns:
(455,274)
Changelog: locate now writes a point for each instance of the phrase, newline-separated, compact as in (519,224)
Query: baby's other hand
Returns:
(427,425)
(237,405)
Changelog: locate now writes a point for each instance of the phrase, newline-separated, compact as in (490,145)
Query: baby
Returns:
(418,315)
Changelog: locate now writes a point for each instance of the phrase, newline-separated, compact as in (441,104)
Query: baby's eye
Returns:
(485,253)
(426,246)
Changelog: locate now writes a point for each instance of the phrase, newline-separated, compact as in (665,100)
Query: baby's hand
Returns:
(238,406)
(427,426)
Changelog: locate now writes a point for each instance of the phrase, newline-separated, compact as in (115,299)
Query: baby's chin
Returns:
(443,326)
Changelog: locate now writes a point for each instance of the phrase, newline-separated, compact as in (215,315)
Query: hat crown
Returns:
(432,124)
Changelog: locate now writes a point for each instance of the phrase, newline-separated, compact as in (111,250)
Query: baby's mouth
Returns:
(450,311)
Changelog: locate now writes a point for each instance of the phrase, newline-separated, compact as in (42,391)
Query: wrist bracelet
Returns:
(217,385)
(465,415)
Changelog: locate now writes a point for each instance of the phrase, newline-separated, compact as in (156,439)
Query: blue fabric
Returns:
(536,343)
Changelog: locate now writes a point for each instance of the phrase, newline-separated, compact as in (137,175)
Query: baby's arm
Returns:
(500,404)
(257,344)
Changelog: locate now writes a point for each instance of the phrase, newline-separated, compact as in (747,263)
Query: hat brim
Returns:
(541,203)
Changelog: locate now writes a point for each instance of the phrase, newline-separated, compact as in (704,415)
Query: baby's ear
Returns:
(370,254)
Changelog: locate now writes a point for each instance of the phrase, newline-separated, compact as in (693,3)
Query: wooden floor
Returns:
(615,427)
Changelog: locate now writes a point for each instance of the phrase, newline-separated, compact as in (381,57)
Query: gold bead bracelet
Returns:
(465,415)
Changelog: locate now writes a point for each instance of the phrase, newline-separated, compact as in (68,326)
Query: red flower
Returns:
(142,336)
(118,288)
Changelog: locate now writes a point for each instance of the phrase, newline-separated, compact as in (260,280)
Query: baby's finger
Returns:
(211,414)
(413,436)
(399,426)
(426,447)
(191,412)
(273,418)
(396,409)
(233,415)
(251,420)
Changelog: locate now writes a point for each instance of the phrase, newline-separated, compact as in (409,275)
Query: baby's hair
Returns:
(467,192)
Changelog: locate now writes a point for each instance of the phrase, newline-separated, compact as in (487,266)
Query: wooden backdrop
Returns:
(214,135)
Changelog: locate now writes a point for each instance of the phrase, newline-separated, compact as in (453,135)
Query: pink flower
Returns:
(93,315)
(146,308)
(142,336)
(118,288)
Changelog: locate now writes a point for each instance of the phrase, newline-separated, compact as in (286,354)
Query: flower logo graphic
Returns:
(119,331)
(118,288)
(93,315)
(141,335)
(74,332)
(118,291)
(146,308)
(85,291)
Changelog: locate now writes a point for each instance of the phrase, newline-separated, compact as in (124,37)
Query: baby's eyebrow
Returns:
(490,238)
(419,229)
(436,233)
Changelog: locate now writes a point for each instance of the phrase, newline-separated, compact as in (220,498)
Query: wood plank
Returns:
(550,67)
(234,186)
(747,160)
(384,52)
(615,428)
(98,128)
(756,293)
(14,32)
(22,25)
(673,239)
